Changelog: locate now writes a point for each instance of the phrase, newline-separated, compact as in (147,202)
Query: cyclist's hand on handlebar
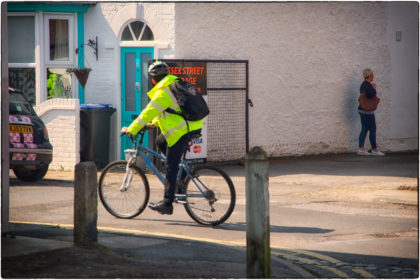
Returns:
(124,130)
(150,125)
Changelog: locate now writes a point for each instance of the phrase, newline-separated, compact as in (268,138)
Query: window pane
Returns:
(126,35)
(147,35)
(59,39)
(58,83)
(23,79)
(21,39)
(137,26)
(130,82)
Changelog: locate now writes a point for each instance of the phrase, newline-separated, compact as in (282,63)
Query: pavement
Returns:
(194,259)
(187,259)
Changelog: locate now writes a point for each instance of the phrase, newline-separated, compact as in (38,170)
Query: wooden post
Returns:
(4,123)
(85,204)
(257,215)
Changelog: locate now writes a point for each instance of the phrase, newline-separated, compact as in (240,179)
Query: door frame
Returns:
(123,115)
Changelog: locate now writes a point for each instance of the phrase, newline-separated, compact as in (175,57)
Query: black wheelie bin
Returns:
(95,122)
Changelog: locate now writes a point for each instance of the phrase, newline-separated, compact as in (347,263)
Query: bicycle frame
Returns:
(142,152)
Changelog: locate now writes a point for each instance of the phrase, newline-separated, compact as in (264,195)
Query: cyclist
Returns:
(175,130)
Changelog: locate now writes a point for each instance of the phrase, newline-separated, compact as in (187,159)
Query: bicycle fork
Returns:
(128,177)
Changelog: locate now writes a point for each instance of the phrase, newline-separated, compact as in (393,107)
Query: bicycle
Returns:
(207,192)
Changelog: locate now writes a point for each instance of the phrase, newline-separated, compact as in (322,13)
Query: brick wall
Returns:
(107,20)
(62,118)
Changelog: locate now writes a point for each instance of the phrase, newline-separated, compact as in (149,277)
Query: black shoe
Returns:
(162,208)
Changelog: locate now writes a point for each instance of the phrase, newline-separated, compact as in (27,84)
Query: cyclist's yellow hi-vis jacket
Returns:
(172,126)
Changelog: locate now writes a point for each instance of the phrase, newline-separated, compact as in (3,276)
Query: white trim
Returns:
(142,44)
(33,65)
(39,58)
(46,63)
(157,46)
(74,82)
(71,31)
(142,31)
(131,31)
(22,65)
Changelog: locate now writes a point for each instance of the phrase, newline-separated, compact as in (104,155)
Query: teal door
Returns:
(134,87)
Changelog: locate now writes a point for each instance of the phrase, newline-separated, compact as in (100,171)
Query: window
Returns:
(23,79)
(58,83)
(59,38)
(21,39)
(59,55)
(137,31)
(32,69)
(21,54)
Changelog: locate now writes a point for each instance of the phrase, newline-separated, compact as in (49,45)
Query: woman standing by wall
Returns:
(367,117)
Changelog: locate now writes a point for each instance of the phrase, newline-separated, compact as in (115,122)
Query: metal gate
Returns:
(227,98)
(227,95)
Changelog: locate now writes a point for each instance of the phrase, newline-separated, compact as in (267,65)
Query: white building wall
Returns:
(107,20)
(305,65)
(62,118)
(403,19)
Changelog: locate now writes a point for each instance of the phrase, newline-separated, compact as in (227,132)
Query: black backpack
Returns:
(191,102)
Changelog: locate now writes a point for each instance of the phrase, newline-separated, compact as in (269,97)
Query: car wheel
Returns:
(30,175)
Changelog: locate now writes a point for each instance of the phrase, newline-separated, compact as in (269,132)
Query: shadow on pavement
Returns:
(393,164)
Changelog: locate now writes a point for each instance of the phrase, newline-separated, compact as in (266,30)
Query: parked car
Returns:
(30,151)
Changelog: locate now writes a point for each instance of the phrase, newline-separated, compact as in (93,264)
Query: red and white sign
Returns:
(198,150)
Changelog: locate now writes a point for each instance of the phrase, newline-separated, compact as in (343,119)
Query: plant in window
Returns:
(54,85)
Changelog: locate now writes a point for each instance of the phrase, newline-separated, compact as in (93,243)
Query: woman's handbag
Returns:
(368,104)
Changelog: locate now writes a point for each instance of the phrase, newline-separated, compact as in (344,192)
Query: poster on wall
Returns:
(193,72)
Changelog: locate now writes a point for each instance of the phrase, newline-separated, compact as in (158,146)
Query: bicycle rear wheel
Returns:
(123,193)
(219,198)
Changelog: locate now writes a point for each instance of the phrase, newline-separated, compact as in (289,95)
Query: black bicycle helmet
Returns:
(158,70)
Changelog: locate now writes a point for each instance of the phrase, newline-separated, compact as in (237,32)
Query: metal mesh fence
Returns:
(227,95)
(230,75)
(227,135)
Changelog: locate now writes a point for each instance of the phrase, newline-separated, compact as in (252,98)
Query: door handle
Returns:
(137,85)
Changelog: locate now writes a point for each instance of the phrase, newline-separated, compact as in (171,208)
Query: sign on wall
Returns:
(192,72)
(195,73)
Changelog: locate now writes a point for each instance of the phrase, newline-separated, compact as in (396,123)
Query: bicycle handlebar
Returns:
(133,138)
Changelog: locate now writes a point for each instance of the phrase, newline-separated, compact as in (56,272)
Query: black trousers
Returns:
(173,157)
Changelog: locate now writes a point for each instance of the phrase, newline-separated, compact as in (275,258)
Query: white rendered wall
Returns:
(62,118)
(403,18)
(305,65)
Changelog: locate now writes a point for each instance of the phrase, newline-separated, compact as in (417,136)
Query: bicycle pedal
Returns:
(180,201)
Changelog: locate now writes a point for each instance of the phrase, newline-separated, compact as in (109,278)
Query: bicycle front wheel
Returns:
(124,192)
(215,202)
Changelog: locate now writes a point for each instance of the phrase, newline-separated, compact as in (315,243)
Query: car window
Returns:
(18,105)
